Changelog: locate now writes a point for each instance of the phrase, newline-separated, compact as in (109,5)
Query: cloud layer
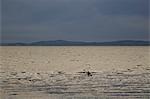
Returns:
(89,20)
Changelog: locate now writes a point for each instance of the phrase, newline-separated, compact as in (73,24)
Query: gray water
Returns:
(127,84)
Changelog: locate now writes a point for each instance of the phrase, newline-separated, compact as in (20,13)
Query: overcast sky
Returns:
(84,20)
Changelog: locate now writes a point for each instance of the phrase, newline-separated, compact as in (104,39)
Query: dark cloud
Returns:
(74,19)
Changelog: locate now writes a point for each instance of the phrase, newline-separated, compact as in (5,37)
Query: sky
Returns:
(77,20)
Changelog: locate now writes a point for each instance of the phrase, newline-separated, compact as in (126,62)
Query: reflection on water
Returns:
(128,84)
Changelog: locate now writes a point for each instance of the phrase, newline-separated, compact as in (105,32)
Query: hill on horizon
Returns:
(80,43)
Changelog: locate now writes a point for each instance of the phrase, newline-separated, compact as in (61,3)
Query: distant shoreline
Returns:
(79,43)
